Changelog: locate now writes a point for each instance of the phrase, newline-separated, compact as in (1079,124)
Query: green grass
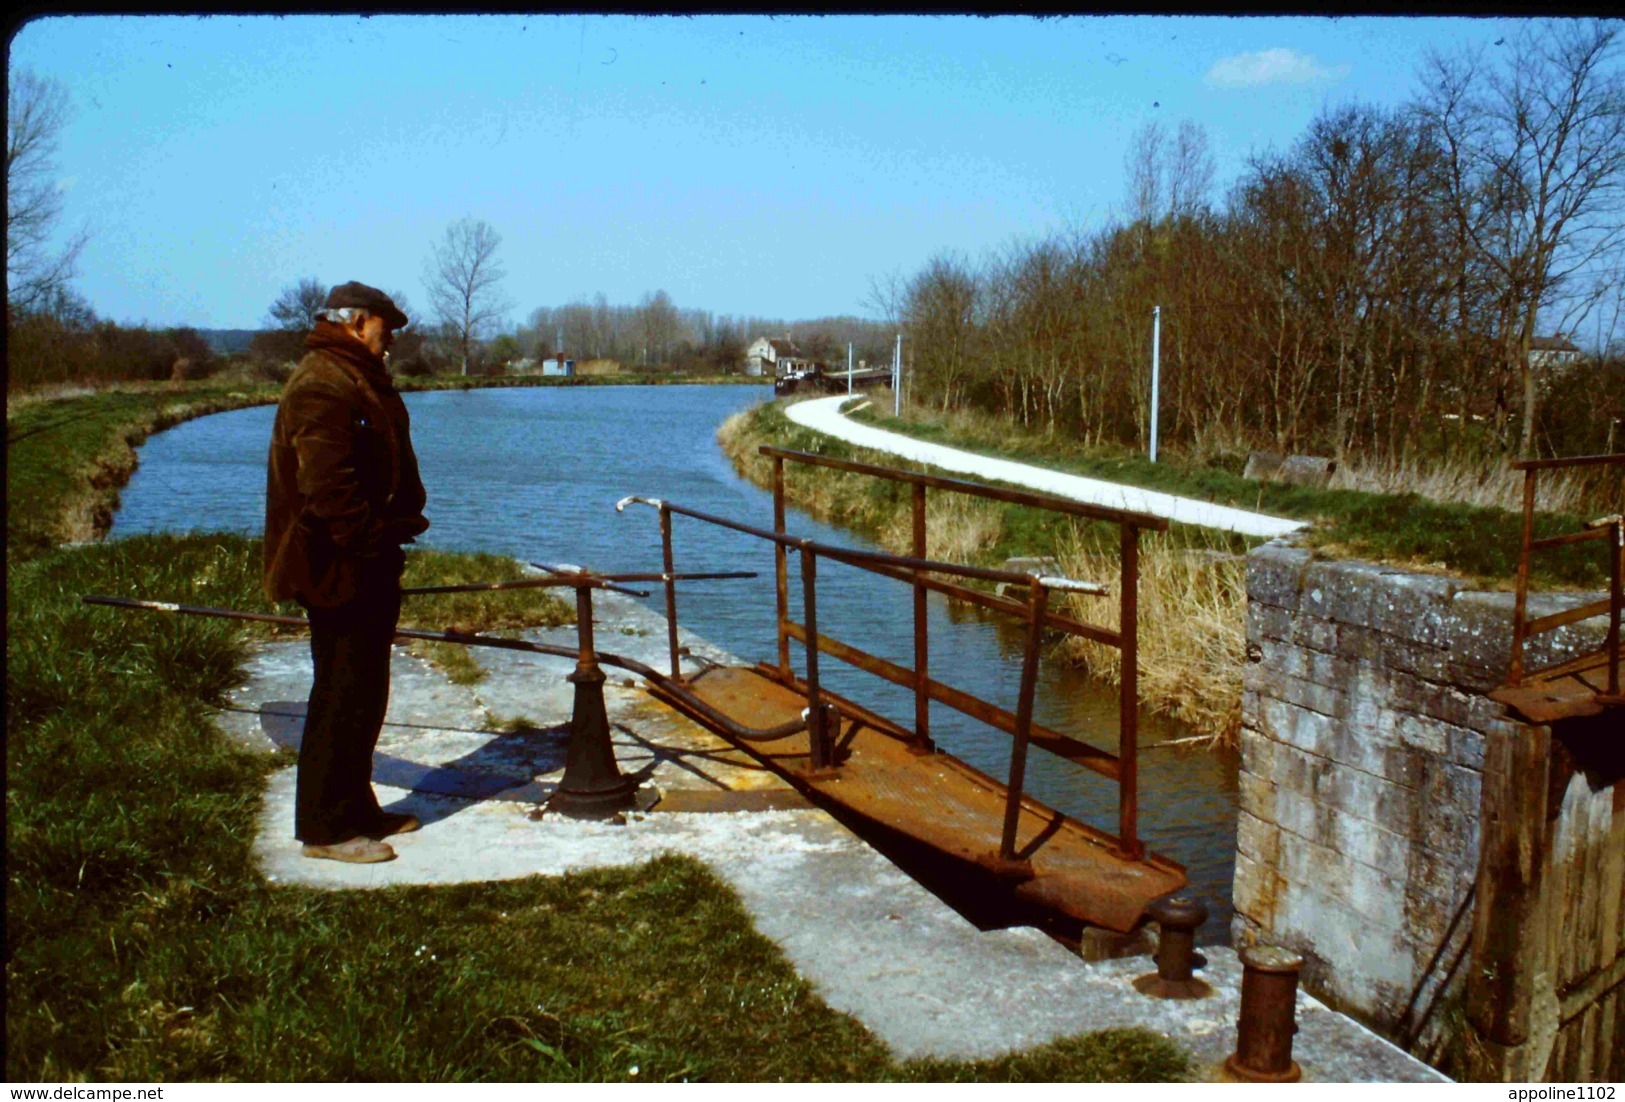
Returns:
(143,944)
(1477,542)
(65,460)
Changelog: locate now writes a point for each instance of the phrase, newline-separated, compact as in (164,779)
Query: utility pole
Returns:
(897,378)
(849,369)
(1156,364)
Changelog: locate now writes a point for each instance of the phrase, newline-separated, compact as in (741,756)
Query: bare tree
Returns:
(657,326)
(37,109)
(1168,178)
(887,293)
(1534,171)
(296,305)
(940,314)
(463,278)
(1144,165)
(288,319)
(1189,171)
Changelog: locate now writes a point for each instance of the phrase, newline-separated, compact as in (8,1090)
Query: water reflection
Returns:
(535,473)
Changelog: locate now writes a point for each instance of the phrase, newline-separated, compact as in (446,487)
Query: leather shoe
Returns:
(394,822)
(359,850)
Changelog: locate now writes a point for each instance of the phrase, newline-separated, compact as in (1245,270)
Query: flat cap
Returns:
(370,299)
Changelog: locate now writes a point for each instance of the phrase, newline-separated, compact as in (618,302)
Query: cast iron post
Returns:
(593,786)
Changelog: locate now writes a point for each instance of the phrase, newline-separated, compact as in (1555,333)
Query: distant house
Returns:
(1552,353)
(775,356)
(558,365)
(522,366)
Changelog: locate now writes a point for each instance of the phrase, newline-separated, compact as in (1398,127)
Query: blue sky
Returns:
(747,165)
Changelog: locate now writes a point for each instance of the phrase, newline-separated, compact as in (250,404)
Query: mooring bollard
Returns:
(1177,918)
(1269,1000)
(593,786)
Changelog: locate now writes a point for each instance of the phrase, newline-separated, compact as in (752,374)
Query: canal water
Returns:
(535,473)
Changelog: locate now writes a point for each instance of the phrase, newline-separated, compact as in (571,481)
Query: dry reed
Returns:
(1192,638)
(957,528)
(1463,482)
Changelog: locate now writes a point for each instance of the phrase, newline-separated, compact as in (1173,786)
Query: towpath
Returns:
(824,415)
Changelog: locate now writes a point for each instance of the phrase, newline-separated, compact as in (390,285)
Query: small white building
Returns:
(1552,353)
(775,356)
(557,365)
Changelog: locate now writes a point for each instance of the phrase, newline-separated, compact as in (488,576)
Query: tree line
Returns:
(59,339)
(656,334)
(1376,288)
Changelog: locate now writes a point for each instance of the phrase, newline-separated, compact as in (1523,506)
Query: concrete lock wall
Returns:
(1363,774)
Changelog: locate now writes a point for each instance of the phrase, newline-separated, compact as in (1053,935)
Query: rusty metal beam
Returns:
(1571,616)
(854,557)
(1520,600)
(1569,537)
(1128,710)
(818,738)
(781,570)
(1616,594)
(521,583)
(1569,461)
(1024,722)
(1090,757)
(671,595)
(922,648)
(1053,620)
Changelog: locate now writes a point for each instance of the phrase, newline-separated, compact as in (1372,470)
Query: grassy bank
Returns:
(67,459)
(143,944)
(1474,540)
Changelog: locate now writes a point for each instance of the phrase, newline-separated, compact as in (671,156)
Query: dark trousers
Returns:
(350,647)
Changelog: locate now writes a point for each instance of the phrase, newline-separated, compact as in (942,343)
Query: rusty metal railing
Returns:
(1610,528)
(925,575)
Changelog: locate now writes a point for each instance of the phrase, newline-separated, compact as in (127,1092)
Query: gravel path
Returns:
(824,415)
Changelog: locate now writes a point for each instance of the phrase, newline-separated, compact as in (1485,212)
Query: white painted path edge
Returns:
(824,415)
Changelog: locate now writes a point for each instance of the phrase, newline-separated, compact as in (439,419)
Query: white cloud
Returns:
(1277,66)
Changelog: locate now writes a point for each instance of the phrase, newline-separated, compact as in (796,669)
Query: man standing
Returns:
(342,495)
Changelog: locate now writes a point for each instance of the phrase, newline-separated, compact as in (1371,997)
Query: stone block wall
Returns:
(1363,742)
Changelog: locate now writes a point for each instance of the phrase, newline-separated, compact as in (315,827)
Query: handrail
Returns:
(853,557)
(1611,528)
(1568,461)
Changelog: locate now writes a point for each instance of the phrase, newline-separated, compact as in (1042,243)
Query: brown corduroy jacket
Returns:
(342,490)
